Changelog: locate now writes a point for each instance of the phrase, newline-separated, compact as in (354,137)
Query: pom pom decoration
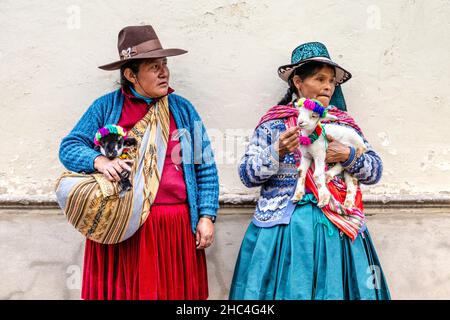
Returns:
(109,129)
(314,105)
(306,141)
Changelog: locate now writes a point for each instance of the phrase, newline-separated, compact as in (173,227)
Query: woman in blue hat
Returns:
(298,250)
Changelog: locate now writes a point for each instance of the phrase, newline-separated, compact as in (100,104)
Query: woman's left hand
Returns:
(336,152)
(205,233)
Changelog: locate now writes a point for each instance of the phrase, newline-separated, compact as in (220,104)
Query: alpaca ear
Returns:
(330,117)
(129,141)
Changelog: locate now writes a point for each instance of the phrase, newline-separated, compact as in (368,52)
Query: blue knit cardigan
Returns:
(77,152)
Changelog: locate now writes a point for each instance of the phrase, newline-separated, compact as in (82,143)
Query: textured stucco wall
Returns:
(396,50)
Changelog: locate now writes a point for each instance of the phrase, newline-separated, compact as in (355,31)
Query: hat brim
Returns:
(342,75)
(161,53)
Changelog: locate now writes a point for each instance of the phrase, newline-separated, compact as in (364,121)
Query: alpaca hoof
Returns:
(297,197)
(324,200)
(349,203)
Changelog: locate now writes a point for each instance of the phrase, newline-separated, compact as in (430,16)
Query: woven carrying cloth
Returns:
(91,202)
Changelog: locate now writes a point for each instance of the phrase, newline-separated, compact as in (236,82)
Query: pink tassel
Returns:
(305,141)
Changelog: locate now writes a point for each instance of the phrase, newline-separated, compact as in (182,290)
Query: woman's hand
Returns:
(336,151)
(112,168)
(288,141)
(205,233)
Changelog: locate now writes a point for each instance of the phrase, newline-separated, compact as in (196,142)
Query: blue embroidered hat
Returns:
(316,51)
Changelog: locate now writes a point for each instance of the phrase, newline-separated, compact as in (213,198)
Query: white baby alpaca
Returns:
(307,121)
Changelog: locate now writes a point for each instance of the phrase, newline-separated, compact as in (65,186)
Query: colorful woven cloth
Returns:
(279,112)
(349,221)
(91,202)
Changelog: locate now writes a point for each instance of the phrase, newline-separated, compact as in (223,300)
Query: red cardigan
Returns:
(172,188)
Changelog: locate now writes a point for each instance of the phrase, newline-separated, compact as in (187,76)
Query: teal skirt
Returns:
(307,259)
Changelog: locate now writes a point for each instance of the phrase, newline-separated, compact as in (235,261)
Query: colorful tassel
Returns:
(313,105)
(108,129)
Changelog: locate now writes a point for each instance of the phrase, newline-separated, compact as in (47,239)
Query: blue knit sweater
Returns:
(261,166)
(200,173)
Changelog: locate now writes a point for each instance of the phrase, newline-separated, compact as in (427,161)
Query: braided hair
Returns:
(288,96)
(307,70)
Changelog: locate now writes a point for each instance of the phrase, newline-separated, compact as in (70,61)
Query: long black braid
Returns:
(288,96)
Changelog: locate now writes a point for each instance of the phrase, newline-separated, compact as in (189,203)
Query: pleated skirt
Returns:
(159,262)
(308,259)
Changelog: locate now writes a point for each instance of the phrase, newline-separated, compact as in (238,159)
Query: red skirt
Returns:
(159,262)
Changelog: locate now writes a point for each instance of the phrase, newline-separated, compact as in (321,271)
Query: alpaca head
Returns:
(111,141)
(310,112)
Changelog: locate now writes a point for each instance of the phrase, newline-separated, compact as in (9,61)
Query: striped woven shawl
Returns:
(91,202)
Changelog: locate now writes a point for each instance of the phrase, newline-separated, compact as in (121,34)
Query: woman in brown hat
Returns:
(175,191)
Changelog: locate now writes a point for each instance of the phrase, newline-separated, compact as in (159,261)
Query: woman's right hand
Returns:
(112,168)
(288,141)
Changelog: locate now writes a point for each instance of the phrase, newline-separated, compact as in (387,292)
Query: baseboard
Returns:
(242,201)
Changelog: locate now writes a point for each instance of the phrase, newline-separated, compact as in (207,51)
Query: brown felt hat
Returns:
(139,42)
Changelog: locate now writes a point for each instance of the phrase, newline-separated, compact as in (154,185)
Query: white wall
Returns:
(396,50)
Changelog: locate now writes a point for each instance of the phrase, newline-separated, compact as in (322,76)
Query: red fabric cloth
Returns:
(160,261)
(133,109)
(172,188)
(289,110)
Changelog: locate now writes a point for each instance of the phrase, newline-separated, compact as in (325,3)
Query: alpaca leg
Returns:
(352,187)
(124,183)
(358,143)
(319,177)
(300,188)
(331,173)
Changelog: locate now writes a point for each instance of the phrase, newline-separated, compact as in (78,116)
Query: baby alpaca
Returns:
(313,146)
(112,142)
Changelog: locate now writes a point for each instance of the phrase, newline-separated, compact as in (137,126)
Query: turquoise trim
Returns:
(338,99)
(137,95)
(309,50)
